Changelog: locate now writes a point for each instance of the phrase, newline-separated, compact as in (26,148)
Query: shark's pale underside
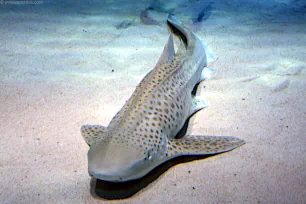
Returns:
(142,135)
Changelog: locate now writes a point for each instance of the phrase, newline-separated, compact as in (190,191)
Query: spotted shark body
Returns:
(142,135)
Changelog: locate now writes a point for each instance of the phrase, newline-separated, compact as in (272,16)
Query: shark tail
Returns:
(178,29)
(202,145)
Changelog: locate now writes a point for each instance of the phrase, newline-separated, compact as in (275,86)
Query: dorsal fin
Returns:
(92,133)
(168,52)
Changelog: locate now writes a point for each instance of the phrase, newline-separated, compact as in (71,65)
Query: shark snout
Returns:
(114,163)
(107,175)
(116,173)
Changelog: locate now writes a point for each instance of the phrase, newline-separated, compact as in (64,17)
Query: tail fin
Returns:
(177,28)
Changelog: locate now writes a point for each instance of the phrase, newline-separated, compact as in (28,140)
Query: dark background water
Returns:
(194,8)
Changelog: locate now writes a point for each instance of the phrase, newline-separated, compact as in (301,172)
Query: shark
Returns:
(144,133)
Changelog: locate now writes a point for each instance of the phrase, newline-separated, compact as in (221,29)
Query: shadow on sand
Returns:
(121,190)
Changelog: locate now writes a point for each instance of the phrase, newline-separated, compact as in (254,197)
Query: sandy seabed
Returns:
(61,71)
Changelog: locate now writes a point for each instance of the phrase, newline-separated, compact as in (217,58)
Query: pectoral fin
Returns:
(202,145)
(91,133)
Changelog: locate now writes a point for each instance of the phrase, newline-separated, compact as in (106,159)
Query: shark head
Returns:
(116,165)
(118,160)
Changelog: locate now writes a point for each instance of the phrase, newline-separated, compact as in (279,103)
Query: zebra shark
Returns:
(142,135)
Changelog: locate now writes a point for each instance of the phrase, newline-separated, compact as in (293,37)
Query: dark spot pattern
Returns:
(199,144)
(159,105)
